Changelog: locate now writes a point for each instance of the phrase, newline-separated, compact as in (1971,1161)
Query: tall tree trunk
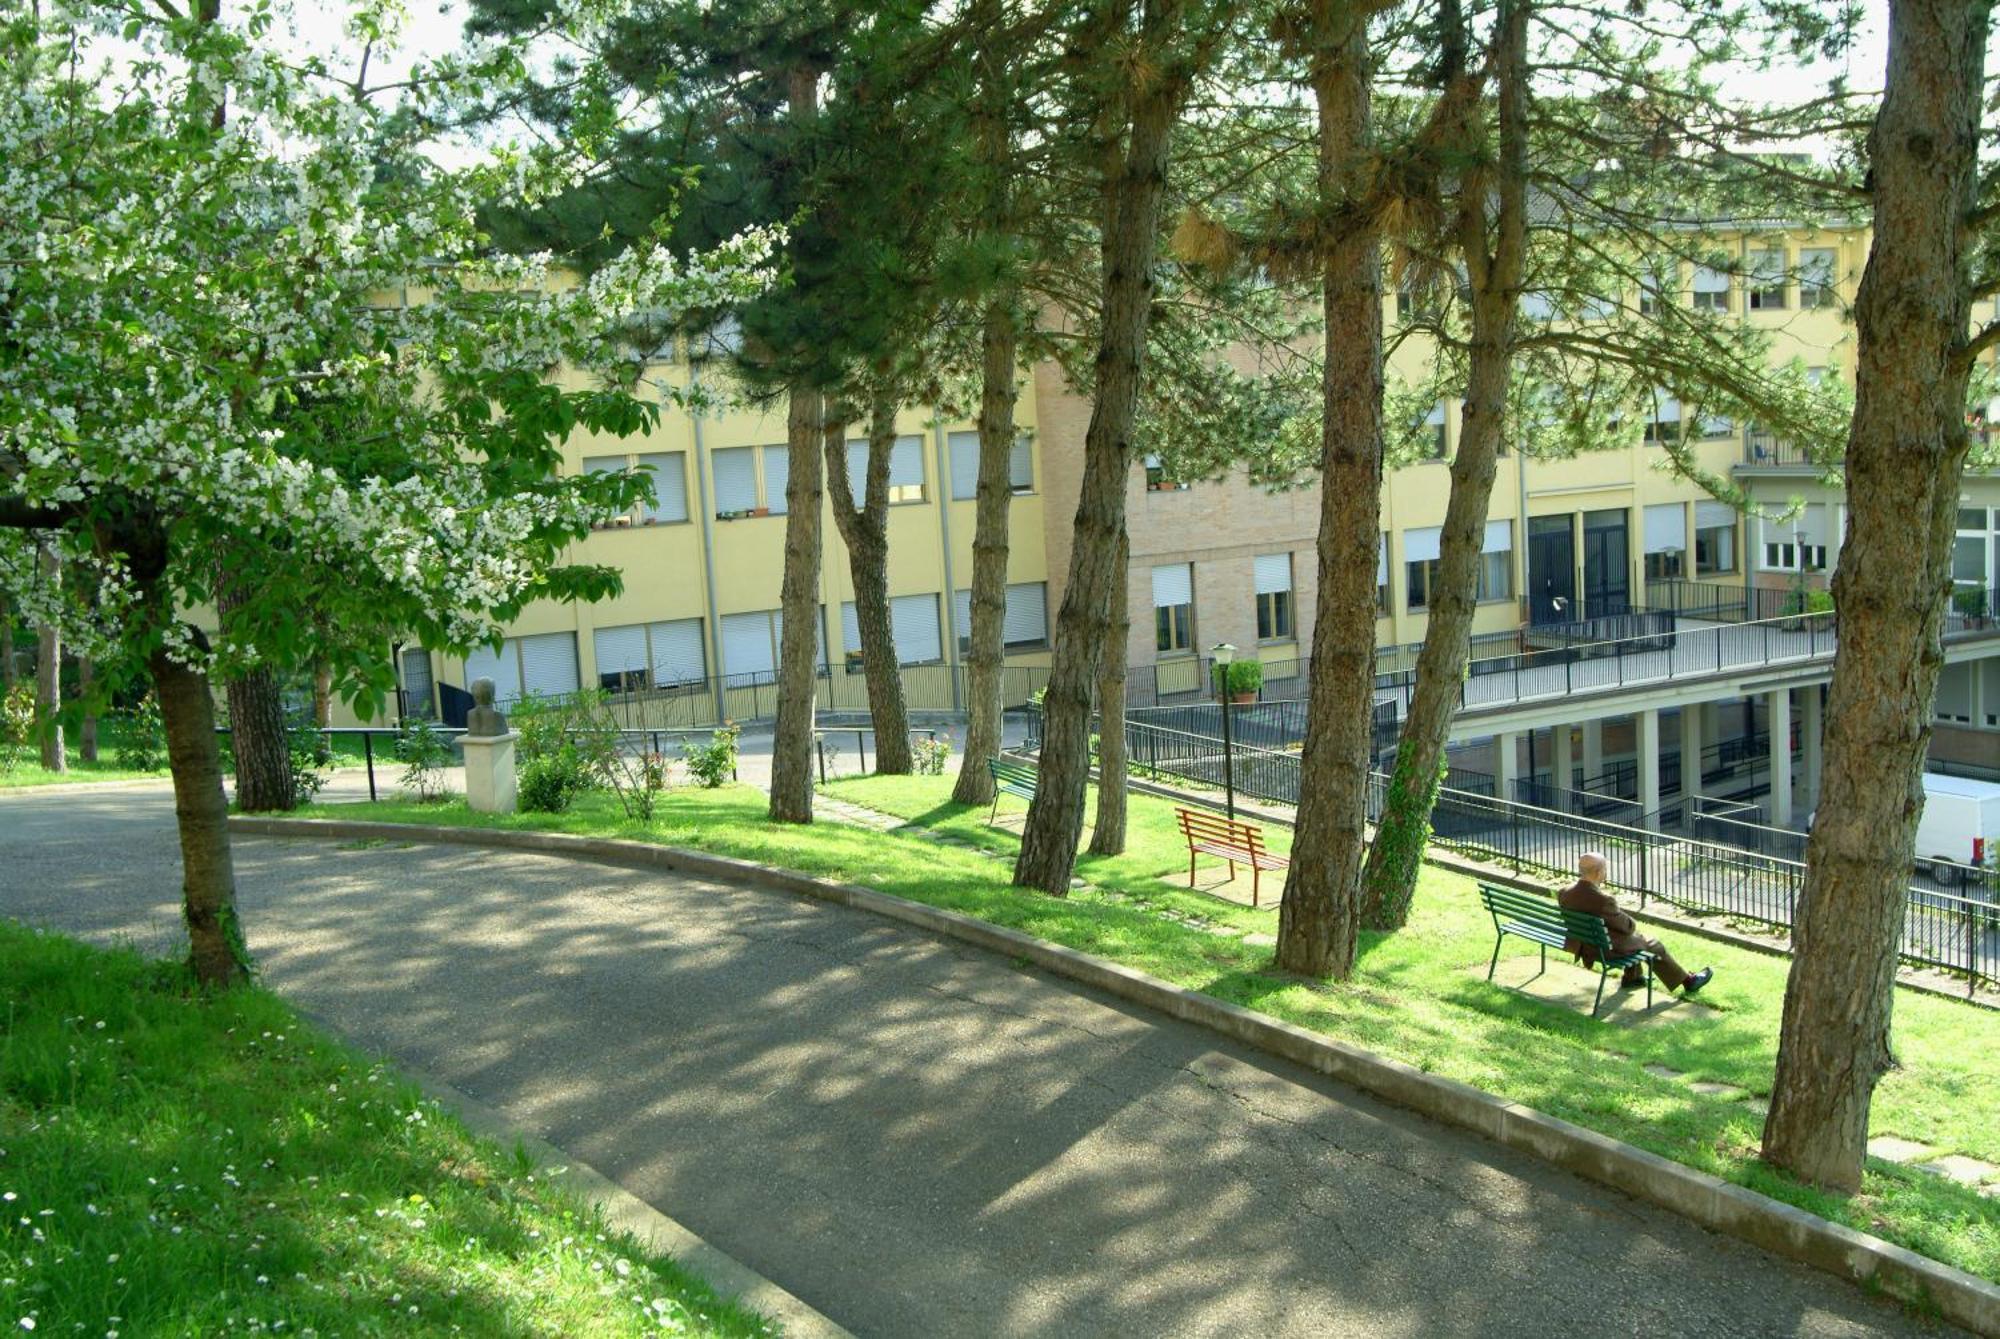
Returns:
(1055,816)
(257,737)
(1493,265)
(208,878)
(86,730)
(322,694)
(1317,920)
(983,737)
(1905,453)
(48,677)
(866,534)
(1107,833)
(805,422)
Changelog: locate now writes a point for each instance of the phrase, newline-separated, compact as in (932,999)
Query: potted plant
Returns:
(1240,679)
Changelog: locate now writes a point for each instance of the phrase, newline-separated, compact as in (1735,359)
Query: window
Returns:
(670,496)
(906,470)
(751,642)
(1274,597)
(622,665)
(777,477)
(913,621)
(1714,538)
(543,665)
(1714,426)
(964,448)
(1382,577)
(1664,566)
(1788,555)
(1420,552)
(1656,287)
(1665,541)
(1767,279)
(1711,289)
(1435,421)
(608,465)
(1588,306)
(1173,607)
(1816,278)
(641,656)
(735,471)
(1664,425)
(1496,562)
(1157,479)
(1026,622)
(1537,304)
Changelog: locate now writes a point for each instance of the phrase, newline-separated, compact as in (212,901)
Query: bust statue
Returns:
(484,721)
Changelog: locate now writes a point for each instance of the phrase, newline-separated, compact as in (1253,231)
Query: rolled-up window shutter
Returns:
(747,644)
(548,664)
(961,610)
(620,650)
(906,463)
(1021,466)
(1382,561)
(1173,585)
(1666,528)
(914,619)
(1499,537)
(964,465)
(850,626)
(735,479)
(777,476)
(502,666)
(1421,545)
(1273,573)
(1027,621)
(678,655)
(1708,515)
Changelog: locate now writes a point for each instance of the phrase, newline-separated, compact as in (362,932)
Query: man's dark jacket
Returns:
(1584,895)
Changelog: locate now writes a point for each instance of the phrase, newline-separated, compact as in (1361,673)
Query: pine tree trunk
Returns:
(1107,834)
(208,878)
(983,737)
(1055,816)
(1494,269)
(866,534)
(86,730)
(48,678)
(1905,454)
(1318,918)
(257,736)
(792,736)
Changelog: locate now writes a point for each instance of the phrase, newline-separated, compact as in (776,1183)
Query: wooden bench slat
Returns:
(1231,840)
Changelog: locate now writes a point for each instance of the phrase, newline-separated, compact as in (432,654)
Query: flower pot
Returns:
(1240,698)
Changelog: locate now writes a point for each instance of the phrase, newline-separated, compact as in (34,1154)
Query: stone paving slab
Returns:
(1894,1148)
(1957,1167)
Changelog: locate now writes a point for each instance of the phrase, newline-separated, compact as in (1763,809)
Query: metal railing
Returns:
(1761,450)
(1950,924)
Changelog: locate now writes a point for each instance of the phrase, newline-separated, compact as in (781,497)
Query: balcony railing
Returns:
(1762,451)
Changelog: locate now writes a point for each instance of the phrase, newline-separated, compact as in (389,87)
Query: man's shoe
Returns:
(1697,981)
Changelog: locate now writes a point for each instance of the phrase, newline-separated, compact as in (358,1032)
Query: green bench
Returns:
(1537,918)
(1010,778)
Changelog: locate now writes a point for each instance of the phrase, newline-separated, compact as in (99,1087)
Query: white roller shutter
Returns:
(604,464)
(1021,466)
(1274,573)
(502,666)
(1173,585)
(961,610)
(620,650)
(1708,515)
(548,664)
(1710,280)
(1666,528)
(1382,561)
(1421,545)
(747,644)
(1027,621)
(735,479)
(906,463)
(850,626)
(1811,524)
(777,475)
(1666,408)
(964,465)
(857,472)
(678,655)
(670,489)
(1499,537)
(914,619)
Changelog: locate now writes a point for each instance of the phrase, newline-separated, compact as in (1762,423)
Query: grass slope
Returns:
(179,1165)
(1412,996)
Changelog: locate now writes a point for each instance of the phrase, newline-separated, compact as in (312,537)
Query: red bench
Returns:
(1238,843)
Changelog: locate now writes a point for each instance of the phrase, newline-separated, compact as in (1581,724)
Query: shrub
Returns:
(17,726)
(424,754)
(142,740)
(714,763)
(309,752)
(575,721)
(929,756)
(551,781)
(1239,676)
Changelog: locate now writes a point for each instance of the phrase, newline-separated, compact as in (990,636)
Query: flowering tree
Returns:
(273,344)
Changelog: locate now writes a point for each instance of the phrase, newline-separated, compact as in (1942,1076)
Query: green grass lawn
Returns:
(178,1165)
(347,752)
(1413,997)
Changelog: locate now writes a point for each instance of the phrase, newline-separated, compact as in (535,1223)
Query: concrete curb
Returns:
(1707,1200)
(628,1213)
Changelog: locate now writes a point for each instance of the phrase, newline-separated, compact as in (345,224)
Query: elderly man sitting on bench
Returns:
(1587,894)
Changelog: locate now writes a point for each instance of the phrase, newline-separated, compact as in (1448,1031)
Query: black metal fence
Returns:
(1951,924)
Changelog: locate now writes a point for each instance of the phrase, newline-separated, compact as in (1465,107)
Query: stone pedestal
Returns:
(489,773)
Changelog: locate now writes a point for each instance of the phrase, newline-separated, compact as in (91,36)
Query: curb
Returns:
(1706,1200)
(626,1212)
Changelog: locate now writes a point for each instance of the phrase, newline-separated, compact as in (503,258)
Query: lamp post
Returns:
(1224,655)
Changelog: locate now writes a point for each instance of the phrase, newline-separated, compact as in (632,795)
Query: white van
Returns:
(1961,824)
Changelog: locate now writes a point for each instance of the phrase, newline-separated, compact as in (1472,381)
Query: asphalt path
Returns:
(915,1137)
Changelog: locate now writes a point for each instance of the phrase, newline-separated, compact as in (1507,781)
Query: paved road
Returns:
(916,1138)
